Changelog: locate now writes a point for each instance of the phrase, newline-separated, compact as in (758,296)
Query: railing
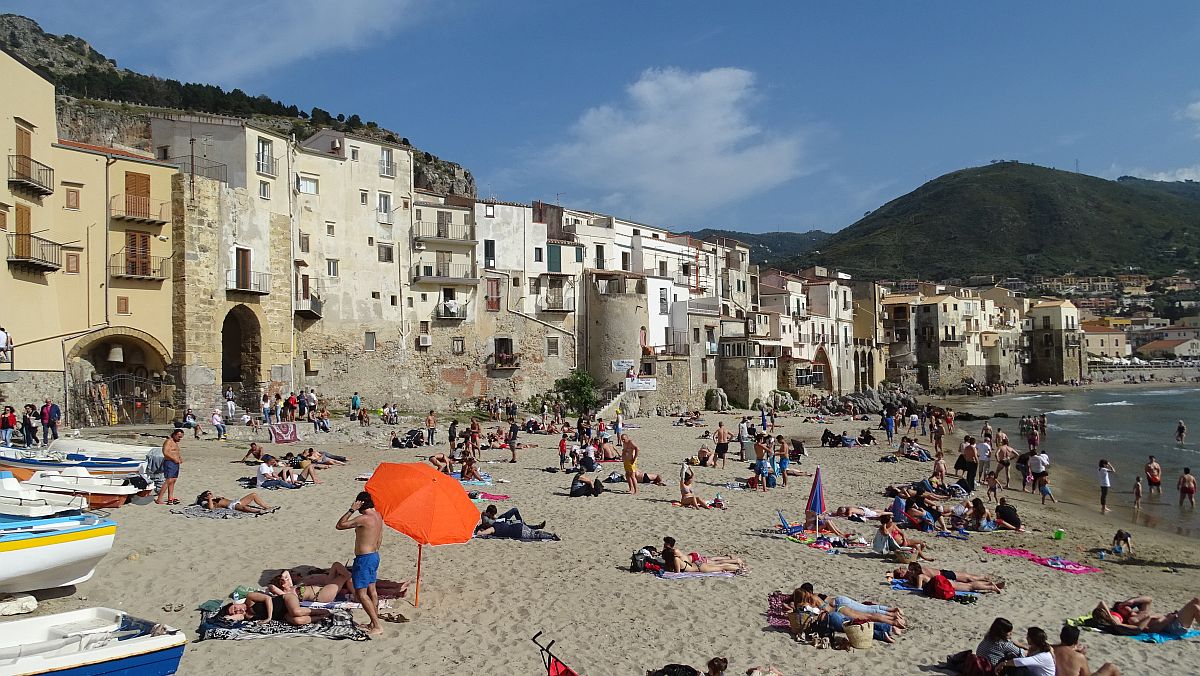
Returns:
(34,252)
(387,168)
(969,311)
(200,166)
(444,271)
(384,217)
(560,303)
(313,305)
(501,360)
(265,164)
(707,305)
(149,267)
(952,338)
(598,263)
(31,173)
(454,231)
(248,281)
(450,310)
(679,349)
(139,208)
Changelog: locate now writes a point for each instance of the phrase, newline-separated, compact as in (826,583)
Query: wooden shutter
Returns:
(554,258)
(3,220)
(242,268)
(122,305)
(137,195)
(493,294)
(23,244)
(443,262)
(137,253)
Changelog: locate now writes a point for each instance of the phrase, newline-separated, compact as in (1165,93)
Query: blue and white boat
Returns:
(23,466)
(89,642)
(48,553)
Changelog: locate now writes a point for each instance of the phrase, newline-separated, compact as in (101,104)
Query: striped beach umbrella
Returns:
(816,496)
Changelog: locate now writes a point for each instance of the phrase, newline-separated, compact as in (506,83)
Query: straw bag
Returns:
(905,555)
(860,635)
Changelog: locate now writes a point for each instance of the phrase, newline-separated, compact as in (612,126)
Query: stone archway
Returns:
(118,375)
(858,371)
(241,348)
(822,365)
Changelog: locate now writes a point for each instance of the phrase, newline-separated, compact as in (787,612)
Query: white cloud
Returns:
(681,143)
(1191,173)
(1191,113)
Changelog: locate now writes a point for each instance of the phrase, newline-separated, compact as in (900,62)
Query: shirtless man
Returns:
(1154,476)
(1005,455)
(430,427)
(368,532)
(1070,660)
(722,438)
(172,459)
(761,468)
(1187,487)
(629,455)
(1180,433)
(255,453)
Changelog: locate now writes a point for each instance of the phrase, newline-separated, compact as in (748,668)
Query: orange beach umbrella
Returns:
(424,504)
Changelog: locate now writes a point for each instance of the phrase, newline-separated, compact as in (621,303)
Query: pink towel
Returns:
(1054,562)
(492,496)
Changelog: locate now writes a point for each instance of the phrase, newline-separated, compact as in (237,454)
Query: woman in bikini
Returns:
(917,575)
(470,469)
(320,587)
(250,504)
(264,608)
(677,563)
(688,497)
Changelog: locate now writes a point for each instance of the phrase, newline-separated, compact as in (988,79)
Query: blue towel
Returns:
(1152,637)
(902,585)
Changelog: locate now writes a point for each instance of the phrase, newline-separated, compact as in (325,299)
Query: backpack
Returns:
(967,663)
(770,481)
(675,670)
(637,563)
(752,482)
(938,587)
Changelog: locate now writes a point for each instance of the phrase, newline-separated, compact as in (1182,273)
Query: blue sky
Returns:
(791,116)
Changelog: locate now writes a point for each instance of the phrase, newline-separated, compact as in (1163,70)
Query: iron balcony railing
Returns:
(387,168)
(556,303)
(200,166)
(313,305)
(248,281)
(422,271)
(31,174)
(501,360)
(139,208)
(450,310)
(462,232)
(265,164)
(384,217)
(148,267)
(31,251)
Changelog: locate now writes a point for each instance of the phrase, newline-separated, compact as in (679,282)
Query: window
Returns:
(353,153)
(636,232)
(3,220)
(670,371)
(578,254)
(265,157)
(533,286)
(625,261)
(386,166)
(137,254)
(385,204)
(264,189)
(122,305)
(164,153)
(410,301)
(330,229)
(551,346)
(331,267)
(369,341)
(363,197)
(374,295)
(654,236)
(662,302)
(489,253)
(662,268)
(308,185)
(516,281)
(425,328)
(73,199)
(370,241)
(489,210)
(458,345)
(386,253)
(417,215)
(72,264)
(492,298)
(304,242)
(696,335)
(537,254)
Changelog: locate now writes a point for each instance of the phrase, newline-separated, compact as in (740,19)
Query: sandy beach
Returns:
(482,601)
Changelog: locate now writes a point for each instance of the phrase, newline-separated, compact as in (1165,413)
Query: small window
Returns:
(122,305)
(308,185)
(417,215)
(304,242)
(363,197)
(655,235)
(458,345)
(331,267)
(410,301)
(264,189)
(393,301)
(72,263)
(369,341)
(670,371)
(636,232)
(695,335)
(537,254)
(73,199)
(386,253)
(517,281)
(370,241)
(551,346)
(3,220)
(164,153)
(354,154)
(489,210)
(425,328)
(534,287)
(374,295)
(578,254)
(330,229)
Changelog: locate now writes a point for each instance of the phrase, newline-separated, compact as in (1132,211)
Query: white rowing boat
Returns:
(89,642)
(48,553)
(27,502)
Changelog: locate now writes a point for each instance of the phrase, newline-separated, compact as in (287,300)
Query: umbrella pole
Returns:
(417,593)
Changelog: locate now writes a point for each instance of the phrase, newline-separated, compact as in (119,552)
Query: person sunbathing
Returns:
(688,497)
(264,608)
(648,478)
(1175,623)
(254,455)
(674,562)
(706,457)
(889,538)
(488,519)
(862,512)
(470,469)
(442,462)
(816,523)
(917,575)
(250,504)
(581,486)
(328,588)
(327,458)
(804,596)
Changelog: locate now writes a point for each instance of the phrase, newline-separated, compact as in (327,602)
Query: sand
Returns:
(482,601)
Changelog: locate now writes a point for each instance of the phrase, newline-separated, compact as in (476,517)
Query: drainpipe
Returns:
(292,230)
(574,346)
(109,160)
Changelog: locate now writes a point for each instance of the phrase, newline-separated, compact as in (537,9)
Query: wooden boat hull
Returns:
(49,553)
(89,642)
(102,491)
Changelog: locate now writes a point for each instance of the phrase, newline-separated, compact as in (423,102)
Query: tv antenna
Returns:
(558,198)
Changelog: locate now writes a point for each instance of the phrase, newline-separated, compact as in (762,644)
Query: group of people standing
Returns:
(32,421)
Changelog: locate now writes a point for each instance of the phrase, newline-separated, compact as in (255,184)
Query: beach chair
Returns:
(788,528)
(554,666)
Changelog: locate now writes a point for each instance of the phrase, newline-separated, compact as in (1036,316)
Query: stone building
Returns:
(1056,343)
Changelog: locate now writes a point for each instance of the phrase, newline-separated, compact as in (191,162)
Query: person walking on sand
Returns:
(355,404)
(368,534)
(629,456)
(1137,492)
(722,438)
(172,459)
(1154,476)
(1187,487)
(1180,433)
(1105,472)
(431,427)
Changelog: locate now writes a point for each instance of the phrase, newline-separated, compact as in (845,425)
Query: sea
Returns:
(1125,425)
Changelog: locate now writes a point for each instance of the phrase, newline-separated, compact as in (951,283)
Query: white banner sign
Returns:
(622,365)
(641,384)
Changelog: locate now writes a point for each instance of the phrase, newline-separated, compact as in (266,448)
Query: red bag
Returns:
(939,587)
(752,482)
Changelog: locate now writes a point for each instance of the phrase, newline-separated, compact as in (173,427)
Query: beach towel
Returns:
(283,433)
(902,585)
(338,626)
(344,605)
(364,477)
(1055,562)
(535,536)
(684,576)
(777,611)
(1145,637)
(198,512)
(484,496)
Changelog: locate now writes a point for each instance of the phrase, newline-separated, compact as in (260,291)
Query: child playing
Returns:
(993,484)
(562,453)
(1045,488)
(1137,492)
(939,468)
(1122,543)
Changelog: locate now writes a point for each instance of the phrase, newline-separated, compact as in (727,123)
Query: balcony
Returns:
(451,310)
(384,217)
(26,172)
(248,281)
(387,168)
(33,253)
(150,268)
(200,166)
(952,338)
(707,305)
(556,303)
(266,165)
(447,273)
(312,307)
(674,349)
(139,209)
(446,232)
(501,361)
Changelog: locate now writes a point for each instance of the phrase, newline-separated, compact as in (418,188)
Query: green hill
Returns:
(770,246)
(1020,219)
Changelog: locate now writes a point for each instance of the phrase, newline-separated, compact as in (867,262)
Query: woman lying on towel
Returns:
(677,563)
(1133,617)
(805,596)
(249,504)
(861,512)
(321,587)
(889,538)
(917,575)
(264,608)
(816,523)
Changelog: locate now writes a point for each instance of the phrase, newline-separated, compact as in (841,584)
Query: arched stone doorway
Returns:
(821,366)
(116,376)
(858,371)
(241,348)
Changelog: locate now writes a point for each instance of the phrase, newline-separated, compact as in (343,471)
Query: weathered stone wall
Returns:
(18,388)
(675,381)
(614,321)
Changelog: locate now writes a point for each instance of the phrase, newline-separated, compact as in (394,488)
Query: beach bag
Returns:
(860,635)
(770,481)
(675,670)
(938,587)
(637,564)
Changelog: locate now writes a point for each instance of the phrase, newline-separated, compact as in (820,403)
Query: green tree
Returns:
(578,390)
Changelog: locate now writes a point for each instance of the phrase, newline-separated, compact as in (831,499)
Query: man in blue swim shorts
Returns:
(368,532)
